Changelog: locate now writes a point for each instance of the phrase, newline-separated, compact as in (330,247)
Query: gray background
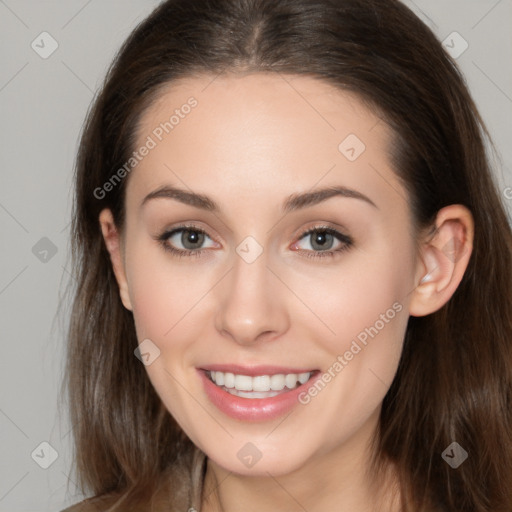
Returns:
(43,103)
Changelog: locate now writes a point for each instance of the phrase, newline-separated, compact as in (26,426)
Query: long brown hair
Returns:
(454,380)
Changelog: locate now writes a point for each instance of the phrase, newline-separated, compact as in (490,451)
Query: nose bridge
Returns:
(250,304)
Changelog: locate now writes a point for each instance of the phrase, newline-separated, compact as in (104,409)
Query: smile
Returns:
(266,393)
(259,386)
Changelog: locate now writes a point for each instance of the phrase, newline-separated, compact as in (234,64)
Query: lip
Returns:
(253,371)
(254,409)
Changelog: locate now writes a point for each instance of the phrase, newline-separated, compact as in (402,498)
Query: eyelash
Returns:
(347,242)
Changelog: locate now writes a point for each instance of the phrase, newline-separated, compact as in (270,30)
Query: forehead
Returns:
(263,131)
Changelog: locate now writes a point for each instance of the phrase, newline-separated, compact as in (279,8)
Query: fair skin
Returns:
(252,141)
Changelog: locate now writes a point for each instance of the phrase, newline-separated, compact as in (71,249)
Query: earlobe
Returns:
(112,240)
(443,260)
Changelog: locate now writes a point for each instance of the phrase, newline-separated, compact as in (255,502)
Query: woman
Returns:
(294,269)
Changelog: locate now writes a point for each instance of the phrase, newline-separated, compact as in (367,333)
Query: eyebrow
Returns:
(292,203)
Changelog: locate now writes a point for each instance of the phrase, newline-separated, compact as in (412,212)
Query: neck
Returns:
(338,479)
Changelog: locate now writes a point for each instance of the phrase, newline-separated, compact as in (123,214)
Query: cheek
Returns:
(152,298)
(369,317)
(365,305)
(164,296)
(361,296)
(166,300)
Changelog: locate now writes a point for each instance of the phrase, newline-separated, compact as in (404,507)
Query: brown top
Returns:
(177,494)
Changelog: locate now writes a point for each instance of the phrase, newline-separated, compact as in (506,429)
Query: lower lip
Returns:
(253,409)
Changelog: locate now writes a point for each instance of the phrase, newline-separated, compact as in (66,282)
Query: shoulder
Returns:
(97,504)
(171,495)
(179,489)
(159,502)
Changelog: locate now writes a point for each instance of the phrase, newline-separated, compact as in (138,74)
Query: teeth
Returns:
(304,377)
(291,380)
(219,378)
(260,383)
(253,394)
(277,382)
(243,383)
(229,379)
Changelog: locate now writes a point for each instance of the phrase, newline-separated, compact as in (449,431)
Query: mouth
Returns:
(258,386)
(257,393)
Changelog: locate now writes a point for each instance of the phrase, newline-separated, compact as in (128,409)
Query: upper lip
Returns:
(253,371)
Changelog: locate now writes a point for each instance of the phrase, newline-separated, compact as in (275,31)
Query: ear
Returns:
(444,257)
(114,246)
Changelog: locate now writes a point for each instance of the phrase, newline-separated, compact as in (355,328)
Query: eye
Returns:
(321,240)
(188,241)
(185,241)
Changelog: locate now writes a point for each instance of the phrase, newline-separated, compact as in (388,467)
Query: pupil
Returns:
(321,239)
(190,237)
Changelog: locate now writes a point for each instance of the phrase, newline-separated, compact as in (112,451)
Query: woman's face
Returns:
(250,292)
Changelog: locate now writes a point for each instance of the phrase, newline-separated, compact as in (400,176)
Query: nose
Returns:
(252,307)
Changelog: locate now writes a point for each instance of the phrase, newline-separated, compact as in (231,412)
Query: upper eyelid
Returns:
(177,229)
